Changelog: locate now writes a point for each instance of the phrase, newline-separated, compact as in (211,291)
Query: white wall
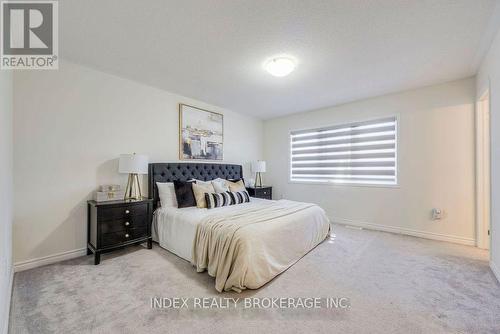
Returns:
(436,163)
(70,126)
(488,77)
(6,110)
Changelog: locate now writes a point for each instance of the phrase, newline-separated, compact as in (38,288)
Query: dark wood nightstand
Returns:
(261,192)
(116,224)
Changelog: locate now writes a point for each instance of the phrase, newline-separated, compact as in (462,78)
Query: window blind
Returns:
(355,153)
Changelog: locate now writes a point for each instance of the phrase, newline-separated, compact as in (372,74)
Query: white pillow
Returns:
(166,191)
(220,185)
(220,180)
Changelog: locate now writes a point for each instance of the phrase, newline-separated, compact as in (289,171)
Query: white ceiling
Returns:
(213,50)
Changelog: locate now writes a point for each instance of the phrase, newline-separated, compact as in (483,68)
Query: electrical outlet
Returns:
(437,214)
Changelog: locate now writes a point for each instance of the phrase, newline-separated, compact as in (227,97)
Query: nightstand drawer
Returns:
(123,224)
(122,212)
(263,192)
(112,239)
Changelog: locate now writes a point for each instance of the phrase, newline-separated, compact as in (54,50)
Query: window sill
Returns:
(333,184)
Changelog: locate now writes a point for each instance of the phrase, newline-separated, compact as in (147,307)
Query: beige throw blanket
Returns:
(247,248)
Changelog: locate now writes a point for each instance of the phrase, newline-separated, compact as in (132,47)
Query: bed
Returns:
(243,246)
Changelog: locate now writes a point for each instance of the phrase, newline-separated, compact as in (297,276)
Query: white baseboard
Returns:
(6,315)
(407,231)
(42,261)
(495,270)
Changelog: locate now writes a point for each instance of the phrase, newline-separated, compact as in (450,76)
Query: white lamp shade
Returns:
(259,166)
(133,163)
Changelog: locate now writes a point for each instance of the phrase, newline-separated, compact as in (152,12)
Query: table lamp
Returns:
(133,164)
(258,167)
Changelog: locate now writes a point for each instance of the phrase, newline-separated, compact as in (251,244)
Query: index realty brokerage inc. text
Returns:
(249,303)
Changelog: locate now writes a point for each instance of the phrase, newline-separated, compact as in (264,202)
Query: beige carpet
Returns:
(395,284)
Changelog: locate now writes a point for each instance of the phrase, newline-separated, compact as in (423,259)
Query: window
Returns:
(356,153)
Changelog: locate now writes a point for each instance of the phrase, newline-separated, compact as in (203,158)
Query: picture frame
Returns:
(201,134)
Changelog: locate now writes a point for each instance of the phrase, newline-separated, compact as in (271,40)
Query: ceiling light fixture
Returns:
(280,66)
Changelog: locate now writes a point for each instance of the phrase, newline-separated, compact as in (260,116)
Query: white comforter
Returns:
(243,246)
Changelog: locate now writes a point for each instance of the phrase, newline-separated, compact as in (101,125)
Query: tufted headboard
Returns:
(183,171)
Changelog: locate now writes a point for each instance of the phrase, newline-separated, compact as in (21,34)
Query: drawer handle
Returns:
(127,211)
(127,223)
(127,235)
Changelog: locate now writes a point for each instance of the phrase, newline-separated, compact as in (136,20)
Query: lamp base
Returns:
(258,180)
(133,190)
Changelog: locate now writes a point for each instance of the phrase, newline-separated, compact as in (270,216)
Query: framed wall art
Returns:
(201,134)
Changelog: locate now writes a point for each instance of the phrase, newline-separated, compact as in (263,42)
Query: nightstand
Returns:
(261,192)
(117,224)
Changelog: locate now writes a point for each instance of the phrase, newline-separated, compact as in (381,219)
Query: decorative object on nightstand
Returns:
(111,192)
(261,192)
(133,164)
(258,167)
(115,224)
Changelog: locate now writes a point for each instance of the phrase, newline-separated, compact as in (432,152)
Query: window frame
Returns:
(348,184)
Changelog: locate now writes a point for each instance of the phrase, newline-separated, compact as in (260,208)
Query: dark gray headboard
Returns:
(183,171)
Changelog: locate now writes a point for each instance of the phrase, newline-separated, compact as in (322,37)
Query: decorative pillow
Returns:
(166,191)
(202,182)
(216,200)
(236,186)
(236,180)
(220,186)
(200,190)
(184,194)
(239,197)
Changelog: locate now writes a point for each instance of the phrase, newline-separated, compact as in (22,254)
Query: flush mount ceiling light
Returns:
(280,66)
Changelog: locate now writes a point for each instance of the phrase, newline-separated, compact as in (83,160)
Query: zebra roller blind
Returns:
(355,153)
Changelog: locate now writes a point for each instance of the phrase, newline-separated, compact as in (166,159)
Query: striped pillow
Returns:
(216,200)
(239,197)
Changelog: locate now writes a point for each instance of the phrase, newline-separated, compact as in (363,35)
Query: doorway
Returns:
(483,171)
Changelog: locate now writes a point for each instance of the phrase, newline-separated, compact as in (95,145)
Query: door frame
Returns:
(483,177)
